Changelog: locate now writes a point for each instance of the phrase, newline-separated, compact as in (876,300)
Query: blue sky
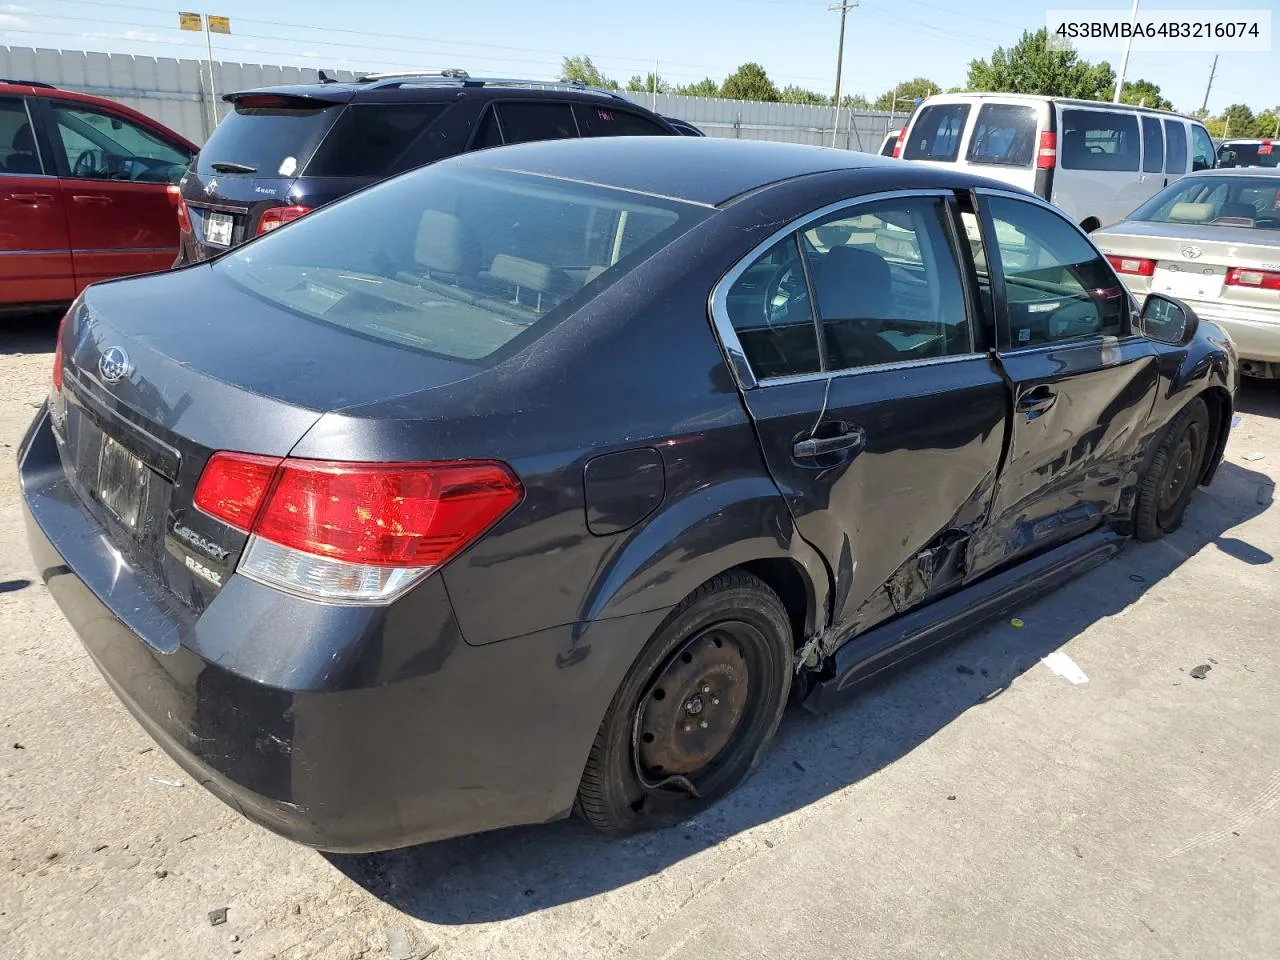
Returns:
(888,40)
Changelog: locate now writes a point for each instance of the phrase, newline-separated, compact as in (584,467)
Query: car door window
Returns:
(1175,147)
(1202,152)
(101,146)
(1152,145)
(1099,140)
(769,307)
(1057,286)
(18,151)
(887,284)
(607,121)
(523,122)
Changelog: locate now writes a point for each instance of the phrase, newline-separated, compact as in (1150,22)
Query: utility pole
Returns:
(844,6)
(1213,72)
(1124,60)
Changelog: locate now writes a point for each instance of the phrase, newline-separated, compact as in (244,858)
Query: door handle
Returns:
(90,198)
(1037,401)
(850,439)
(31,197)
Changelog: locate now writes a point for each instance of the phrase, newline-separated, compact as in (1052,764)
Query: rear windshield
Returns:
(459,263)
(1004,135)
(1222,201)
(1248,155)
(266,140)
(936,133)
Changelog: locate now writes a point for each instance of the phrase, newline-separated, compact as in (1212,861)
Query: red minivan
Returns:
(84,193)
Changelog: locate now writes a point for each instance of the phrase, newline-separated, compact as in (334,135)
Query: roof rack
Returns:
(462,78)
(29,83)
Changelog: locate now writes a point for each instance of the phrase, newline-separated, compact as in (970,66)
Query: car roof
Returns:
(1235,172)
(427,88)
(706,170)
(1042,98)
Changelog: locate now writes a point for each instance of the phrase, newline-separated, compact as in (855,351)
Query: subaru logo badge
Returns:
(1191,252)
(114,365)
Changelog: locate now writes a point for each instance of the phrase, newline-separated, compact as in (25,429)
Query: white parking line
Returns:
(1065,667)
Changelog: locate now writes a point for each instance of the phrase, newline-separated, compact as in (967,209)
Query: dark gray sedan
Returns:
(541,479)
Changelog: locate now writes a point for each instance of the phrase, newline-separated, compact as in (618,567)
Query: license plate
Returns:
(122,483)
(1193,283)
(217,229)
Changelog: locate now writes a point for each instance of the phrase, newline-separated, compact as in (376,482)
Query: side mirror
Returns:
(1167,320)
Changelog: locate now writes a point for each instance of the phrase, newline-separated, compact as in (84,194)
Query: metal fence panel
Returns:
(176,93)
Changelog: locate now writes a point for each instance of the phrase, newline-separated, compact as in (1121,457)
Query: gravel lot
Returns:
(977,805)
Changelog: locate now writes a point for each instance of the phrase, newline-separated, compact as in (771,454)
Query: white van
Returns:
(1097,161)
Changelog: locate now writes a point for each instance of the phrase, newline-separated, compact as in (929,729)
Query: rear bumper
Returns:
(344,728)
(1255,333)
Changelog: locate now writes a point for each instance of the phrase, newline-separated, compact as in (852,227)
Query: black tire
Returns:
(1174,473)
(733,613)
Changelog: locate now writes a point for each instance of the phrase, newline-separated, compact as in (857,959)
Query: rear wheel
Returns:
(1174,473)
(695,712)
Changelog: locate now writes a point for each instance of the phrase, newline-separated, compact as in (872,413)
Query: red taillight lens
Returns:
(279,216)
(897,146)
(180,206)
(1047,155)
(1257,279)
(233,487)
(404,515)
(57,356)
(1134,266)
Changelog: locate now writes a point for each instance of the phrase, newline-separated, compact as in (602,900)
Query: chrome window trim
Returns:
(845,372)
(719,300)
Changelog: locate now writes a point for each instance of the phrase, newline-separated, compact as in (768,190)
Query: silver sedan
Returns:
(1213,240)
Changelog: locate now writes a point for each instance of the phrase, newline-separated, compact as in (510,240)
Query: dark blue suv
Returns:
(284,151)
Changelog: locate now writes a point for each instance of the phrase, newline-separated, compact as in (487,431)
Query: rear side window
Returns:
(18,153)
(271,136)
(1175,146)
(605,121)
(368,138)
(523,122)
(1099,140)
(1202,152)
(1004,134)
(772,315)
(1152,145)
(460,263)
(936,133)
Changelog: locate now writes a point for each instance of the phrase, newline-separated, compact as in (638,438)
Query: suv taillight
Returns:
(1047,155)
(353,531)
(897,145)
(1134,266)
(279,216)
(180,206)
(1257,279)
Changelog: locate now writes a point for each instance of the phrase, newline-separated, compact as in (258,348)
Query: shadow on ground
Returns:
(519,871)
(28,332)
(1261,397)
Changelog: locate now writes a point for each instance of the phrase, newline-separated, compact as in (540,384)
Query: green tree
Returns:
(750,82)
(645,84)
(794,94)
(1034,65)
(582,70)
(905,94)
(703,88)
(1140,93)
(854,101)
(1238,121)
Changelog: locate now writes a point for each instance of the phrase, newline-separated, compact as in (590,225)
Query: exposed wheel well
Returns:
(1219,403)
(786,580)
(1090,224)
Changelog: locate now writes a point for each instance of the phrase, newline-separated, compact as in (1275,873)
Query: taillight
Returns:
(57,354)
(1047,155)
(279,216)
(353,531)
(1134,266)
(180,206)
(897,145)
(1257,279)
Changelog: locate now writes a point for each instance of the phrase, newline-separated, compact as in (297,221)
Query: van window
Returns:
(1099,140)
(936,133)
(1004,134)
(1175,146)
(1202,152)
(1152,145)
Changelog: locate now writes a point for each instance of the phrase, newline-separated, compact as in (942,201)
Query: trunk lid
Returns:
(151,388)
